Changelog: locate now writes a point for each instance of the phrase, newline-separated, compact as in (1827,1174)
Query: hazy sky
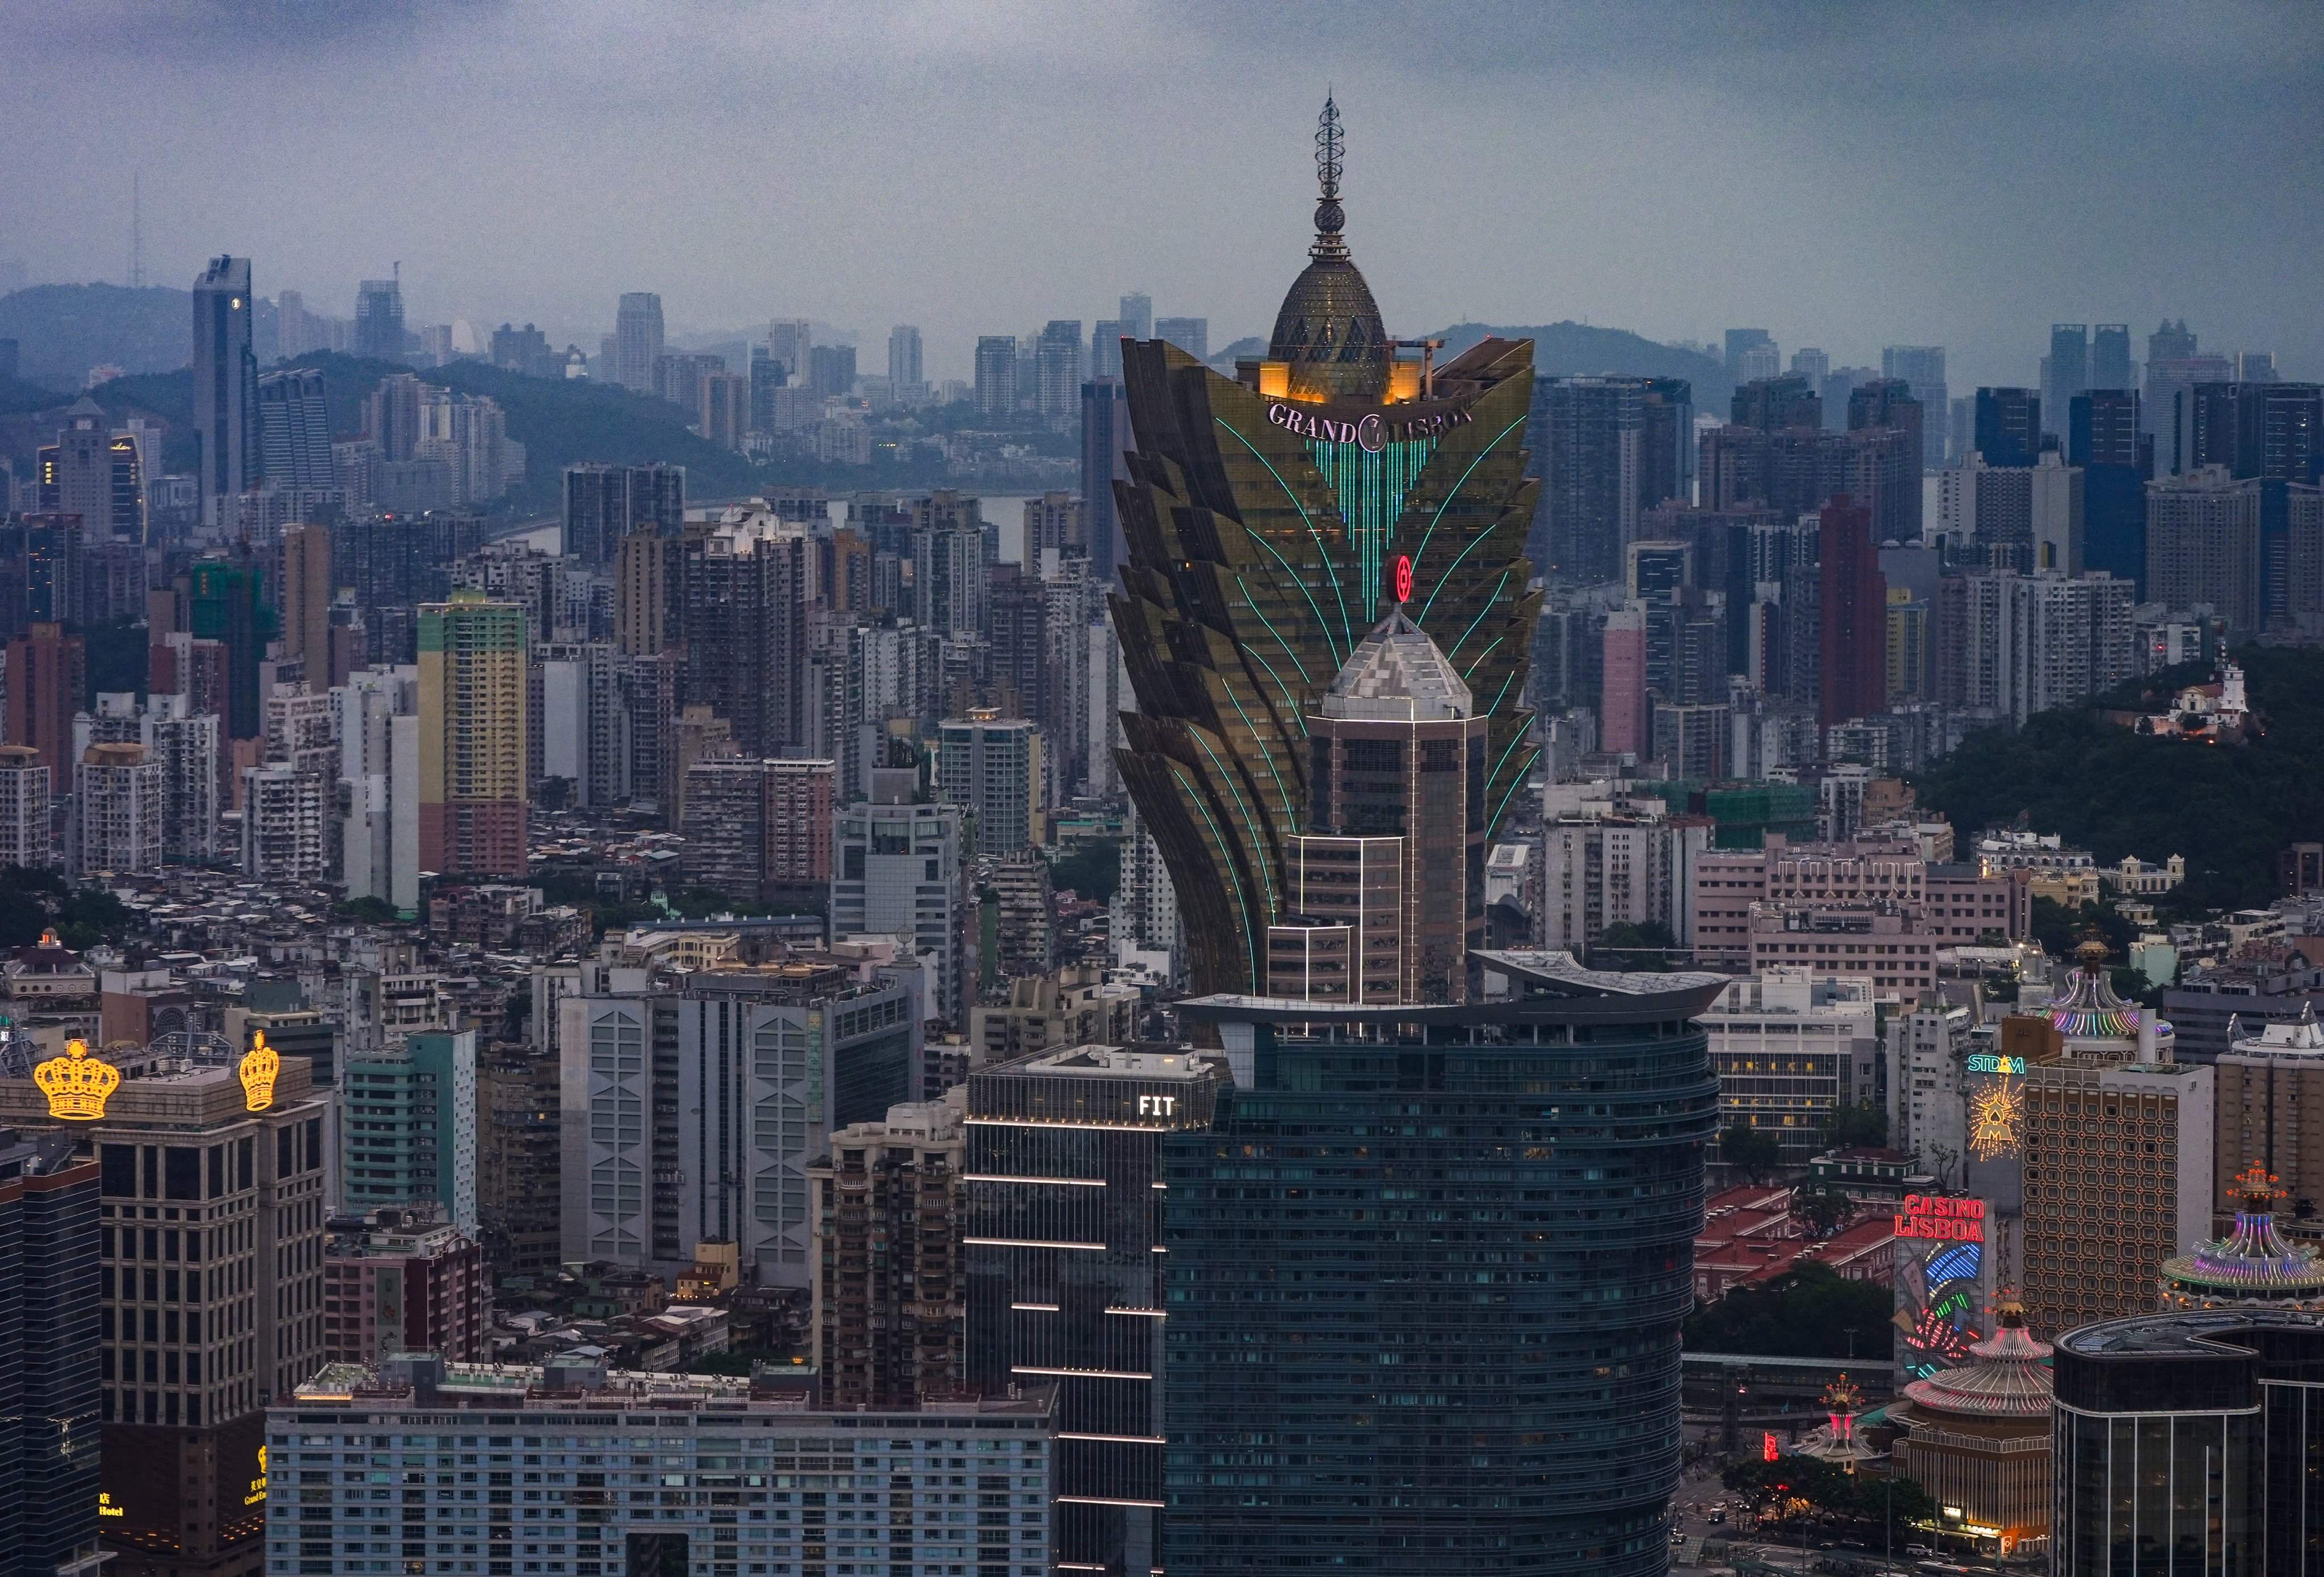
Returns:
(1846,175)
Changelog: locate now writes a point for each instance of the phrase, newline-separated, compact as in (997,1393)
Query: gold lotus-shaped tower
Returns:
(76,1083)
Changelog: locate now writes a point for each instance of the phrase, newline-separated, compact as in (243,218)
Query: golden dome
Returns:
(1329,334)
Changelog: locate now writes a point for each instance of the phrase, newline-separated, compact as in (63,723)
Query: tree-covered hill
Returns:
(2228,809)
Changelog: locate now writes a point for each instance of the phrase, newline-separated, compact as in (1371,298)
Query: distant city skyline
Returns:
(1848,183)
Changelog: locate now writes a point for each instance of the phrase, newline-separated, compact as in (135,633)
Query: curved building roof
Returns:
(2250,1265)
(2088,1010)
(1329,330)
(2007,1377)
(1398,675)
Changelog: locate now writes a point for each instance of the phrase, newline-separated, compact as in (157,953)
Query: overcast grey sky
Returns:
(1846,175)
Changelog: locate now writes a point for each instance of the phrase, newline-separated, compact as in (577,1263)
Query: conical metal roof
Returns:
(1328,331)
(1397,674)
(2007,1376)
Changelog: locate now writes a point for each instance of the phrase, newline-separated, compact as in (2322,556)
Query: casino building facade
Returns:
(1275,519)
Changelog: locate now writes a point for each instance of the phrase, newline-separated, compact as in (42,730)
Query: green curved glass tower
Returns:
(1272,520)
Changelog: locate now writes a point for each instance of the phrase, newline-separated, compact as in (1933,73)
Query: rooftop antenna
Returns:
(1331,149)
(136,232)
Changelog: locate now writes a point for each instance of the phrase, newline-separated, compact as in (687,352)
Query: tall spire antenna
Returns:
(1331,148)
(136,232)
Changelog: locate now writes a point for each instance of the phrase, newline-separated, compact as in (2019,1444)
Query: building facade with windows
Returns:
(573,1469)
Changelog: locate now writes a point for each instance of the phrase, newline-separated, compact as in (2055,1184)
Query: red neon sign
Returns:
(1403,578)
(1928,1216)
(1767,1452)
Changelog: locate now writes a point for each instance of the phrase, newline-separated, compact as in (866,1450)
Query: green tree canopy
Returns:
(1808,1312)
(1753,1151)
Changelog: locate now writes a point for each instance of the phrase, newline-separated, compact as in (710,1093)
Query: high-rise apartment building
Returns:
(209,1294)
(403,1281)
(2010,645)
(286,824)
(695,1427)
(788,341)
(2203,540)
(379,319)
(225,382)
(1852,617)
(890,1280)
(472,737)
(1058,370)
(117,798)
(754,1066)
(1559,1375)
(831,369)
(996,375)
(1066,1264)
(1106,444)
(605,504)
(638,341)
(904,373)
(379,778)
(46,675)
(1611,448)
(411,1118)
(25,793)
(896,871)
(741,601)
(990,767)
(49,1439)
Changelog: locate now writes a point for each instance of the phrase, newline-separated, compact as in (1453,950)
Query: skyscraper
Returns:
(742,606)
(2110,365)
(294,429)
(2008,425)
(1191,334)
(996,375)
(831,369)
(1319,492)
(225,382)
(305,596)
(603,504)
(424,1085)
(379,319)
(638,341)
(2104,438)
(189,1348)
(47,670)
(1137,315)
(1058,370)
(904,375)
(75,474)
(1532,1424)
(48,1322)
(1075,1136)
(1396,778)
(1853,663)
(472,737)
(1105,448)
(889,1280)
(1610,448)
(990,767)
(2066,372)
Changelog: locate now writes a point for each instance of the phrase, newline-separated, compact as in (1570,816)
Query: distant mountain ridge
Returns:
(1571,350)
(62,332)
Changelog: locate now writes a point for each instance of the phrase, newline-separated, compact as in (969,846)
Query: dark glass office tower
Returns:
(1425,1275)
(48,1432)
(2117,462)
(2190,1443)
(2008,425)
(1064,1271)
